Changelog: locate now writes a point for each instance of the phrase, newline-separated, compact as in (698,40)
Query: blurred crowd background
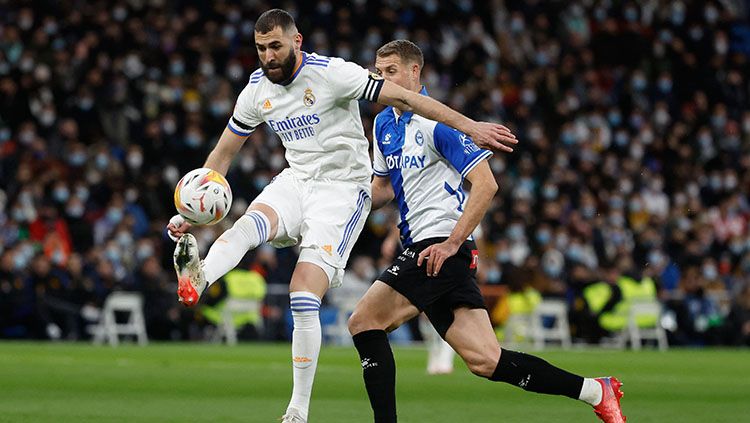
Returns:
(634,158)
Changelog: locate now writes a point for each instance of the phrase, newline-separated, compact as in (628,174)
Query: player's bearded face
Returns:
(280,70)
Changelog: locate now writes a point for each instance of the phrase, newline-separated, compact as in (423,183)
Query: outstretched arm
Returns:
(483,188)
(222,155)
(492,136)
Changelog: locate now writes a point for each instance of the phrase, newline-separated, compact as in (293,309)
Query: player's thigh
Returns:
(472,337)
(333,217)
(381,308)
(284,197)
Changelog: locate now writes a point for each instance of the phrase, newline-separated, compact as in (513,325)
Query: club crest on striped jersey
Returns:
(309,98)
(419,138)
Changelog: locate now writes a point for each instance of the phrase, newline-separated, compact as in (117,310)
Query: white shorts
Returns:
(324,217)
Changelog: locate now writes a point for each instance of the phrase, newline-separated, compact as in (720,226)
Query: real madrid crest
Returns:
(309,98)
(419,138)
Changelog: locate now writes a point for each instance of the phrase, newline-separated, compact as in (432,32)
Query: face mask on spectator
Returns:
(114,215)
(621,138)
(77,158)
(730,182)
(614,118)
(177,68)
(101,161)
(737,247)
(515,232)
(639,83)
(144,251)
(502,256)
(721,46)
(260,182)
(220,107)
(75,210)
(543,237)
(120,13)
(718,121)
(4,135)
(61,194)
(665,85)
(234,72)
(617,220)
(588,211)
(746,126)
(550,192)
(135,160)
(82,193)
(113,254)
(26,136)
(711,14)
(710,272)
(696,33)
(169,126)
(124,239)
(715,182)
(631,15)
(193,140)
(517,24)
(86,103)
(494,275)
(247,164)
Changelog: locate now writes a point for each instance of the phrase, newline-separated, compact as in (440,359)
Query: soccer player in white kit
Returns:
(321,201)
(421,164)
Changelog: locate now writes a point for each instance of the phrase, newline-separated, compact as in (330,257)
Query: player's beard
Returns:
(287,68)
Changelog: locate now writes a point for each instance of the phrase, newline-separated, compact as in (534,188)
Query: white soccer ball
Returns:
(203,196)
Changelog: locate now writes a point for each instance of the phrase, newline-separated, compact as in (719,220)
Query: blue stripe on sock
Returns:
(299,309)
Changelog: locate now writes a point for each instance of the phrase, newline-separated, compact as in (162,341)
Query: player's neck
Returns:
(417,88)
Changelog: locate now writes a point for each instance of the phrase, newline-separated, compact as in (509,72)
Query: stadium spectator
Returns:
(634,120)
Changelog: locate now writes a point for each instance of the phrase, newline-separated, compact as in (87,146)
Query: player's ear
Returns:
(297,41)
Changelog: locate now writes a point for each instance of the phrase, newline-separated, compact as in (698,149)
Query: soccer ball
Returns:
(203,196)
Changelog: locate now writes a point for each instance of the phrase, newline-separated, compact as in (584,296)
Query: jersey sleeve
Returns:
(245,117)
(379,167)
(458,149)
(351,81)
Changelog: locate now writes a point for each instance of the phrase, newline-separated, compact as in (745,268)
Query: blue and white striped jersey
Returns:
(427,162)
(316,115)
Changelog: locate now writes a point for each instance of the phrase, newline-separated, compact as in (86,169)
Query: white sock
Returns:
(305,347)
(248,232)
(591,392)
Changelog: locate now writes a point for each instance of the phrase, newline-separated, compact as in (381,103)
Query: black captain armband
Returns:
(373,87)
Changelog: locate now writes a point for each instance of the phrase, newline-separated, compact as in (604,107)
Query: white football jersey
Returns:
(427,162)
(316,115)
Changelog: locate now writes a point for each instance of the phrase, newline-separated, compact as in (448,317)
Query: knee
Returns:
(357,323)
(481,364)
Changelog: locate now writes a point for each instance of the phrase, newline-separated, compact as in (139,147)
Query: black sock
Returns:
(379,372)
(536,375)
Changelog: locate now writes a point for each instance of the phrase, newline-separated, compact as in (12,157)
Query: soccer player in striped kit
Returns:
(421,164)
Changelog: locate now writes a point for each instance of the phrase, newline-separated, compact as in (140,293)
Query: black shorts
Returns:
(455,286)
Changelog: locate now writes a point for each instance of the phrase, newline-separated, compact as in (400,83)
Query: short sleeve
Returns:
(458,149)
(351,81)
(245,117)
(379,167)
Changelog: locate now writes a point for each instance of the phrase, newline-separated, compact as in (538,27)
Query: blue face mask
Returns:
(494,276)
(543,237)
(115,215)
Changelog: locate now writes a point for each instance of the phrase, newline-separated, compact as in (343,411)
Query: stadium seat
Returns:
(109,330)
(557,330)
(641,312)
(226,329)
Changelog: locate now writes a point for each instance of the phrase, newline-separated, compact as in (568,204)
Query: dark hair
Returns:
(405,49)
(270,19)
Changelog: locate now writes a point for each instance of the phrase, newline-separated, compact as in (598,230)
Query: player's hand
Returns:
(492,136)
(177,227)
(436,255)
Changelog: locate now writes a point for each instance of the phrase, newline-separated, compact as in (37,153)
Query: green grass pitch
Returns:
(47,382)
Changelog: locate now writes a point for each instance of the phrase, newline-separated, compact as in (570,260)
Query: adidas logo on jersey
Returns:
(405,162)
(267,105)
